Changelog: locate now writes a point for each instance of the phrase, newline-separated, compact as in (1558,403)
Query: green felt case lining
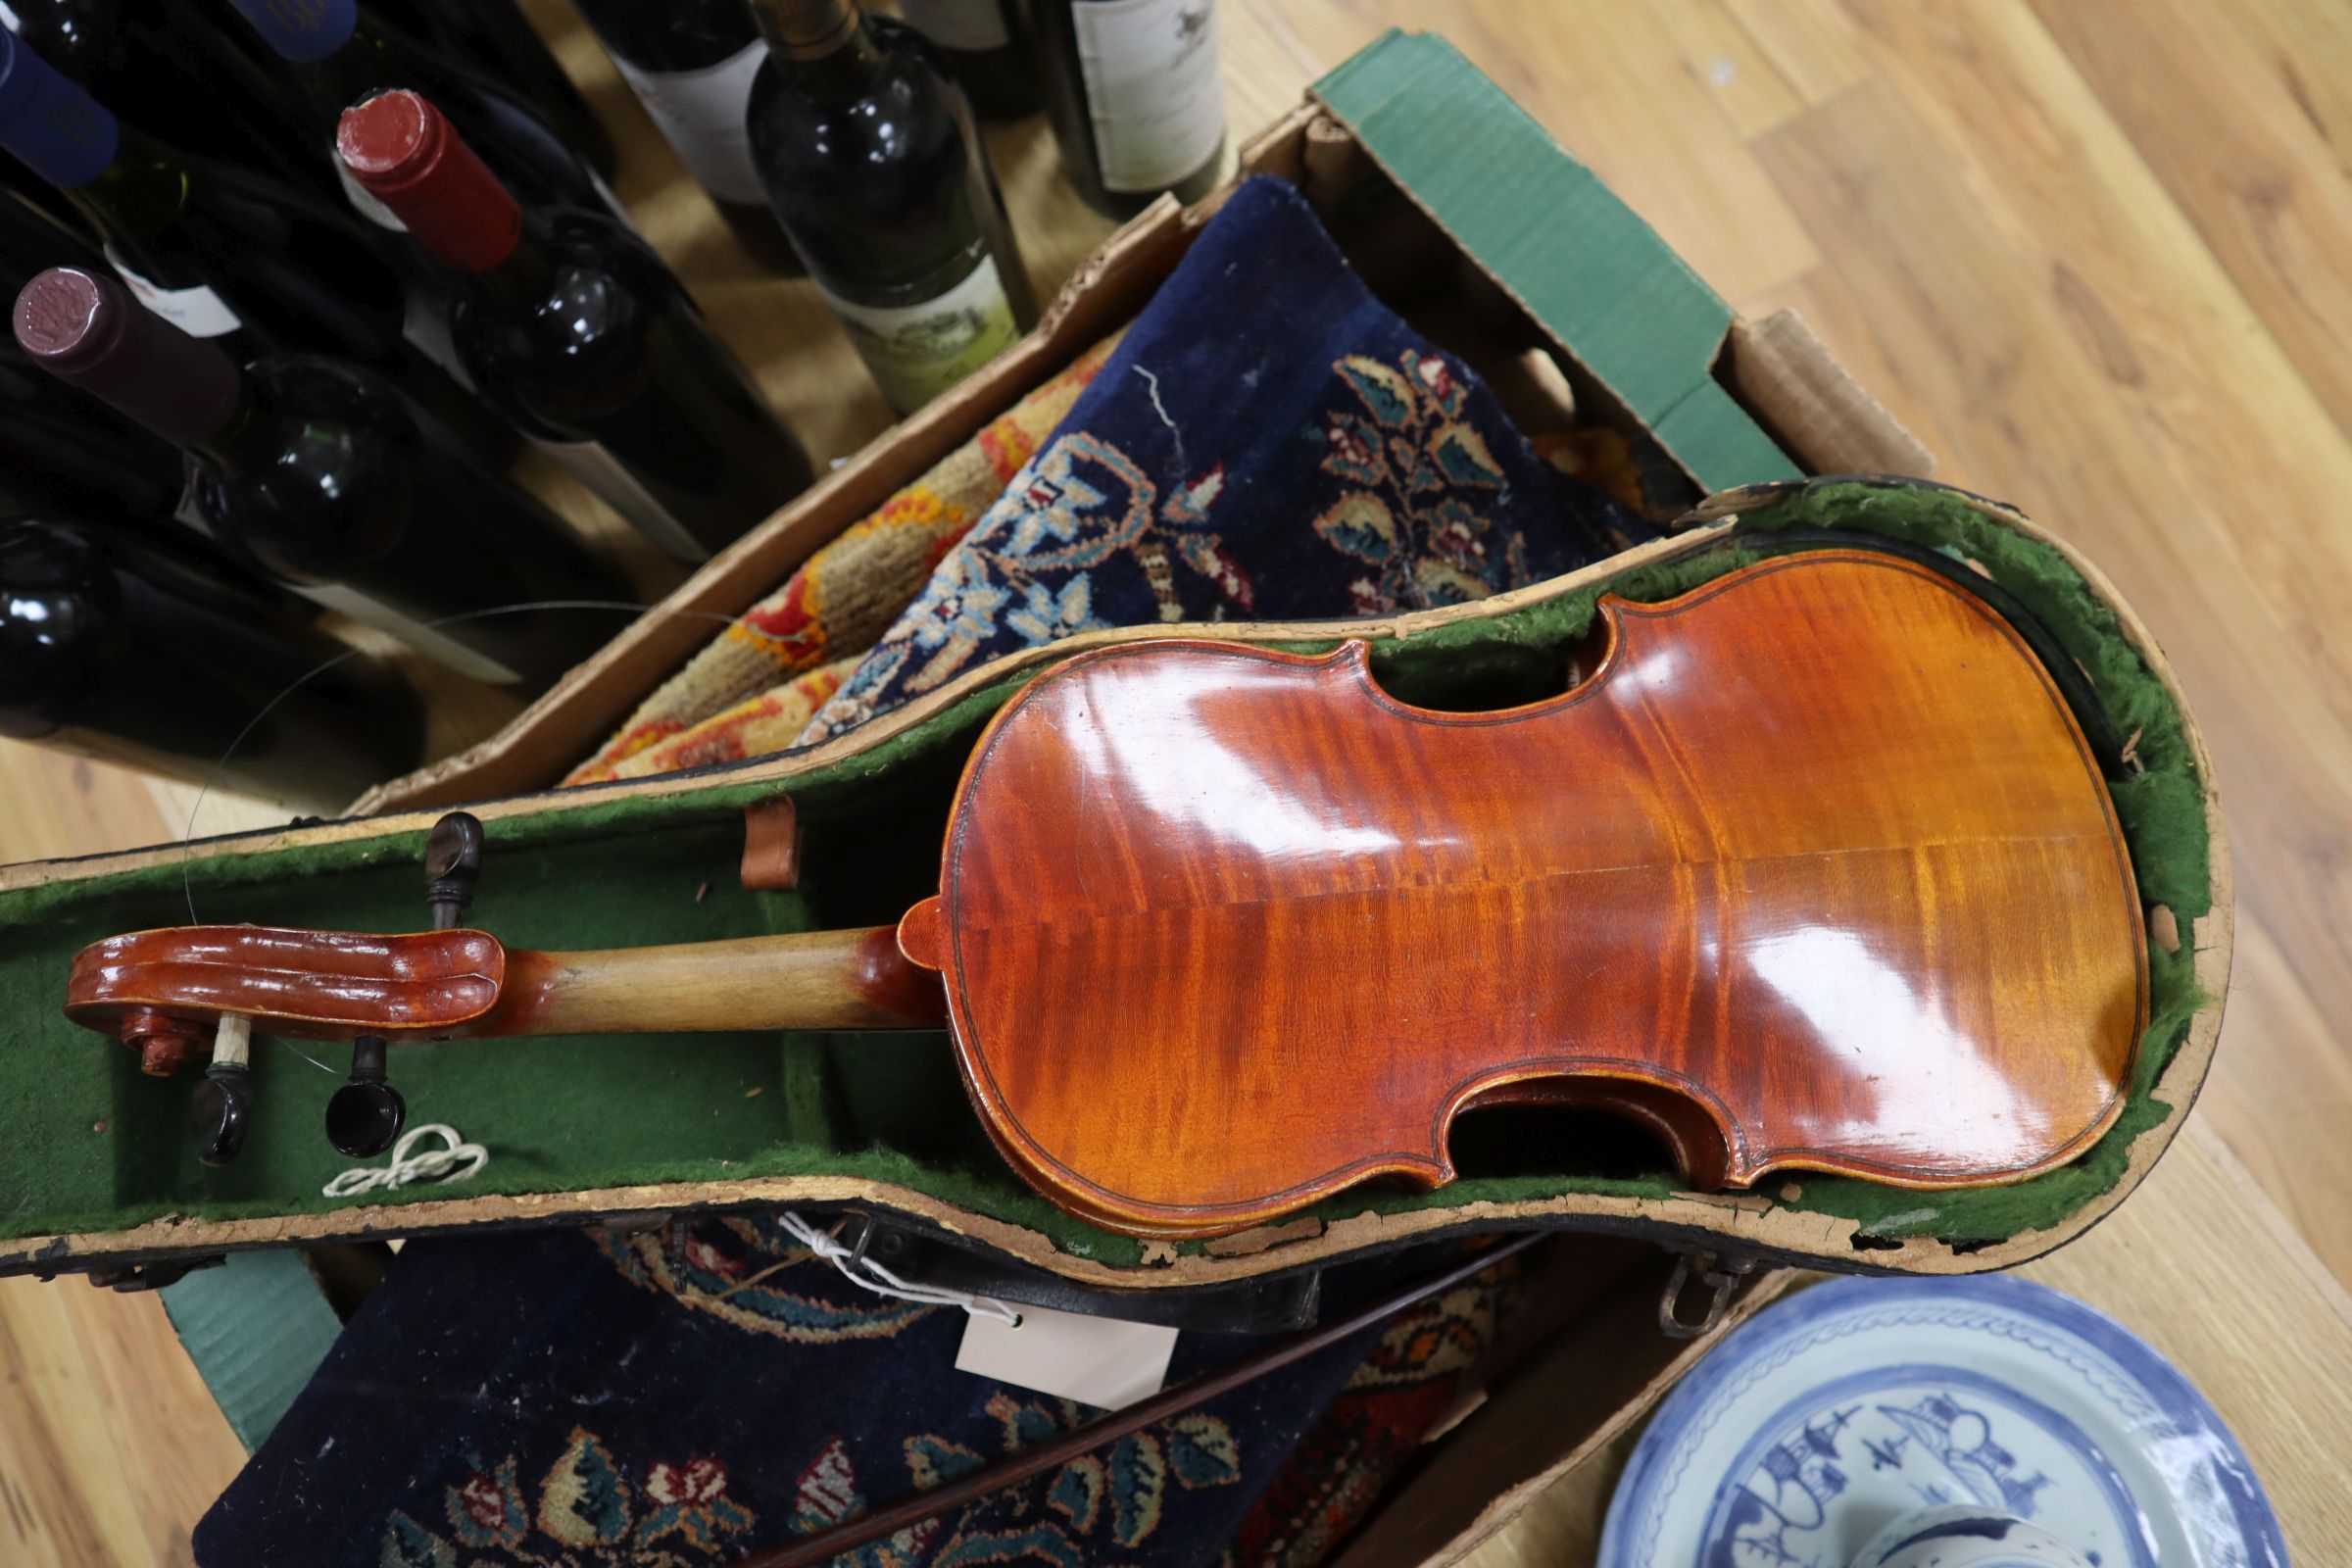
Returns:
(91,1145)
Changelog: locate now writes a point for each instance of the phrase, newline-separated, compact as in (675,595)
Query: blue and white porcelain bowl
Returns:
(1835,1412)
(1965,1536)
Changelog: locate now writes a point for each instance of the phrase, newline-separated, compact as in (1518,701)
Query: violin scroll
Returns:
(174,985)
(159,991)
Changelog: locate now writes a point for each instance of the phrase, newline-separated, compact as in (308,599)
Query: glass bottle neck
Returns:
(138,195)
(245,441)
(520,278)
(371,58)
(821,47)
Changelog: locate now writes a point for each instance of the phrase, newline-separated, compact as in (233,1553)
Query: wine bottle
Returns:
(120,655)
(219,252)
(989,50)
(575,328)
(177,70)
(61,449)
(195,241)
(319,473)
(873,162)
(691,62)
(340,53)
(501,41)
(1136,92)
(167,551)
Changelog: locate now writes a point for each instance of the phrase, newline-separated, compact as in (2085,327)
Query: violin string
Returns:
(306,1056)
(187,835)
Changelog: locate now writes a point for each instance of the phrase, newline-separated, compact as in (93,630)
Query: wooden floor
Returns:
(2098,253)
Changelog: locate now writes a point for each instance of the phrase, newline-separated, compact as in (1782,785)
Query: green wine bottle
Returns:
(872,162)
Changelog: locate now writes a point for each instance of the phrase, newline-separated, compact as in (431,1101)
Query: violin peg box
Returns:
(1449,199)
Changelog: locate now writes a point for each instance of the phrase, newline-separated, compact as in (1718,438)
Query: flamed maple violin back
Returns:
(1815,871)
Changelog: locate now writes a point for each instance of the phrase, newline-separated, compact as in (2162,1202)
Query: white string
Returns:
(441,1165)
(884,1283)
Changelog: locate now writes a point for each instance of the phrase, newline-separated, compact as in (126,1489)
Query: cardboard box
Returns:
(1545,1407)
(1425,171)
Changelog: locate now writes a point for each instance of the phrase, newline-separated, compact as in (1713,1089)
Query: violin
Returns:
(1814,871)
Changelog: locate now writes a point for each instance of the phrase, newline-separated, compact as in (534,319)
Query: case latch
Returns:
(1721,1275)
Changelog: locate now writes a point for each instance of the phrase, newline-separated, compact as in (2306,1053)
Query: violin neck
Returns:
(811,980)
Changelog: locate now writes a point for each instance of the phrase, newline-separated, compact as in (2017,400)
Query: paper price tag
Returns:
(1100,1361)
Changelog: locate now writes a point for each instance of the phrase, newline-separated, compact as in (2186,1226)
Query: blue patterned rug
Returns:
(566,1401)
(1269,442)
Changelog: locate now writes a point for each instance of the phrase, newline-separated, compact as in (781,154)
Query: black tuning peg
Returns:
(222,1104)
(221,1108)
(366,1114)
(452,863)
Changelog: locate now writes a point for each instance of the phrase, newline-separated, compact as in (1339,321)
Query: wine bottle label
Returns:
(189,507)
(1154,89)
(967,25)
(197,311)
(619,489)
(916,352)
(705,116)
(364,202)
(424,322)
(432,640)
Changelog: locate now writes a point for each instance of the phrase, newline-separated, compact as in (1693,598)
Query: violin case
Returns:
(102,1171)
(98,1173)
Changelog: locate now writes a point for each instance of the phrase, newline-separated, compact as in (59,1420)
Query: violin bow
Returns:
(1109,1429)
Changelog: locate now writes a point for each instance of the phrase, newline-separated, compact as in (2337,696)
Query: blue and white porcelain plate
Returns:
(1832,1413)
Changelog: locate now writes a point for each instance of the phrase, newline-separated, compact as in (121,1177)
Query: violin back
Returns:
(1816,870)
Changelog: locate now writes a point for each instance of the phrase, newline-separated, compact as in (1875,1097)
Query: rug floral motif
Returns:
(658,1401)
(1267,442)
(753,688)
